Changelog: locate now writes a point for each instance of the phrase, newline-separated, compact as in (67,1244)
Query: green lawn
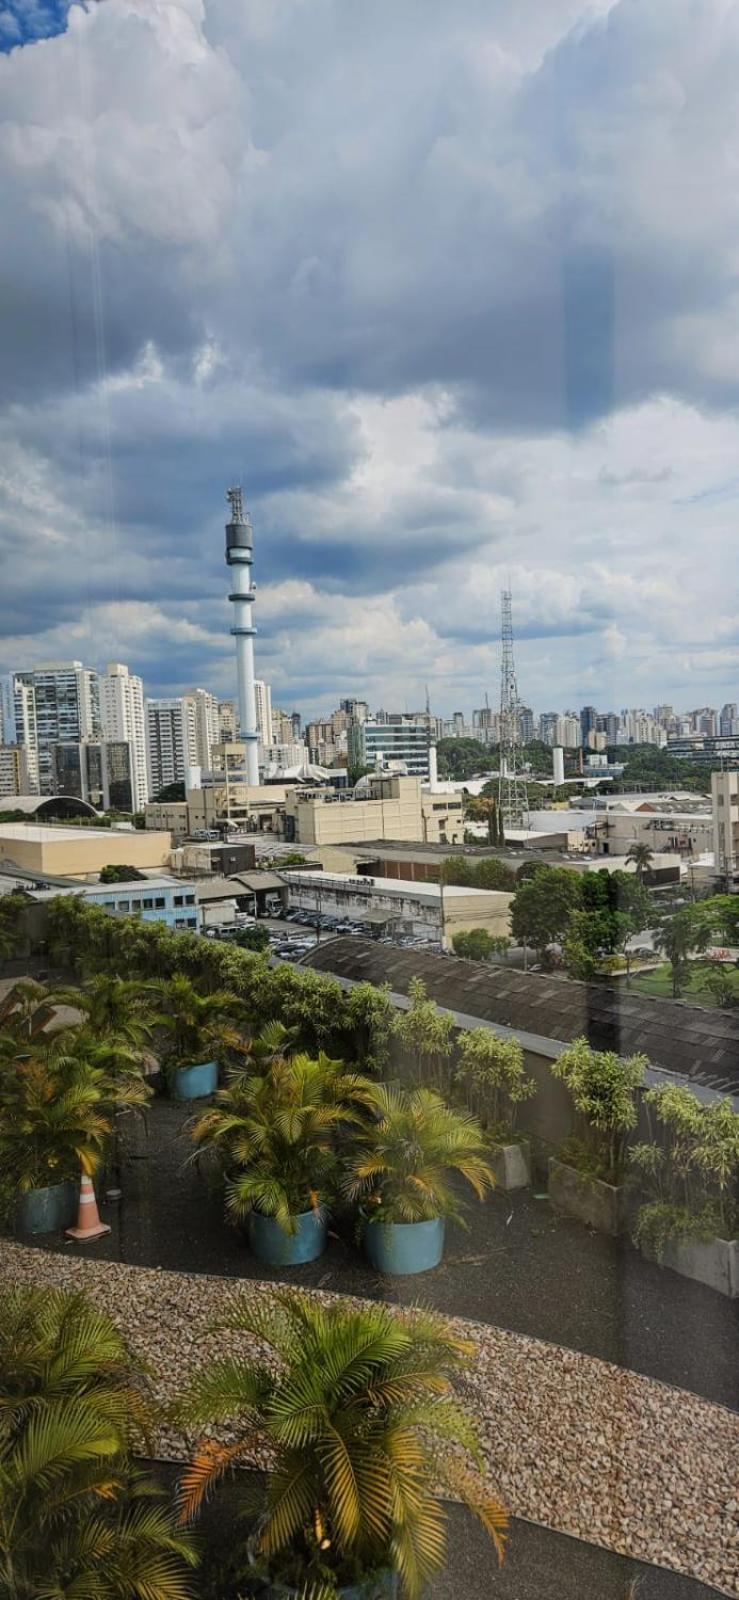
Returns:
(659,982)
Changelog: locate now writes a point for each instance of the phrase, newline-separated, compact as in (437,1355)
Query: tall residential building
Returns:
(525,724)
(728,721)
(263,697)
(18,726)
(228,722)
(207,726)
(588,723)
(355,710)
(13,771)
(122,719)
(170,741)
(67,701)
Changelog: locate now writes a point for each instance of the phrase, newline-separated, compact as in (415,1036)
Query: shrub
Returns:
(603,1087)
(491,1070)
(692,1176)
(426,1033)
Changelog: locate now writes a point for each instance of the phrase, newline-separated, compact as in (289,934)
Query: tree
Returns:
(354,1407)
(603,1087)
(426,1033)
(492,1071)
(76,1515)
(12,935)
(679,938)
(476,944)
(464,758)
(118,873)
(196,1022)
(400,1162)
(642,858)
(276,1133)
(543,905)
(254,938)
(718,984)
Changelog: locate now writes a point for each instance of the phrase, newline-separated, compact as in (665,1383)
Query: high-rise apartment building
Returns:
(18,727)
(67,704)
(123,722)
(728,721)
(228,722)
(263,696)
(171,741)
(13,771)
(588,723)
(526,725)
(205,711)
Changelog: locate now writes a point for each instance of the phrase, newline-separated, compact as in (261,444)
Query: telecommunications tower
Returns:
(513,804)
(239,557)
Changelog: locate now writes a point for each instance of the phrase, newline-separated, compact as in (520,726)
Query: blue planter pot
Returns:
(47,1210)
(404,1247)
(279,1249)
(194,1083)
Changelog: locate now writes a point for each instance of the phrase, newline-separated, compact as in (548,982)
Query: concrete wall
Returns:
(82,851)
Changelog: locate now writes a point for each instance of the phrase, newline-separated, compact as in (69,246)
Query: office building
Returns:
(588,723)
(406,741)
(123,722)
(392,906)
(18,725)
(387,807)
(98,771)
(354,710)
(728,719)
(67,707)
(526,725)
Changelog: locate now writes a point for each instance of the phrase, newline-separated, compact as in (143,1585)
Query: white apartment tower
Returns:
(263,696)
(171,745)
(122,718)
(207,726)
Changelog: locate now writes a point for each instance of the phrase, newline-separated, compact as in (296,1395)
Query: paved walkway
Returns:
(519,1266)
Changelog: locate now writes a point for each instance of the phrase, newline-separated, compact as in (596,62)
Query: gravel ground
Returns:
(572,1442)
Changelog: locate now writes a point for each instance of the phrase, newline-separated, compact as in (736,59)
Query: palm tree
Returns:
(124,1007)
(76,1517)
(59,1098)
(196,1022)
(679,937)
(26,1010)
(400,1164)
(276,1134)
(355,1408)
(642,858)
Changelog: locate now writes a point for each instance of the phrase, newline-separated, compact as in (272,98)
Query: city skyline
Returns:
(345,301)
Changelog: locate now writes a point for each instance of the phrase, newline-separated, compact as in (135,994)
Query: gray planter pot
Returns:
(714,1262)
(47,1210)
(599,1205)
(511,1164)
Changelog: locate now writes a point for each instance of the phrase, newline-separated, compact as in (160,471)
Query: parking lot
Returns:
(297,932)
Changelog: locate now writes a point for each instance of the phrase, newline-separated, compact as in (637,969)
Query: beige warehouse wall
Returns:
(78,857)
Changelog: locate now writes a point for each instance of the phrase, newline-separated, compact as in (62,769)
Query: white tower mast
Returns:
(239,556)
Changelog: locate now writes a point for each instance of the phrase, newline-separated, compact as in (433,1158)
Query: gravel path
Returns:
(574,1443)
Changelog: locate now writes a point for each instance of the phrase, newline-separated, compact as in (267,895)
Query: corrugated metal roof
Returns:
(686,1039)
(258,880)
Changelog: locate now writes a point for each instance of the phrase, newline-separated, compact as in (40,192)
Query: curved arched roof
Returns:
(48,805)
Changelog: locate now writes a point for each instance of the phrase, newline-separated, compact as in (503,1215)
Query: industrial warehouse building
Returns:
(379,807)
(388,905)
(79,852)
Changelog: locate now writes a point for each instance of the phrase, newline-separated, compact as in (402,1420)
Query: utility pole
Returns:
(513,803)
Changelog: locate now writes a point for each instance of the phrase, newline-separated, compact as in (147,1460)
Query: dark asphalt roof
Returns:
(681,1038)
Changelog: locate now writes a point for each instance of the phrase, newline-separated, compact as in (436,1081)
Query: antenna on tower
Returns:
(513,805)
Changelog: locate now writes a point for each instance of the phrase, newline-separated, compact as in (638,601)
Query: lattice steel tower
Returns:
(513,803)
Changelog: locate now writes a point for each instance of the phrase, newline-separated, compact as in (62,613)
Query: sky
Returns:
(453,291)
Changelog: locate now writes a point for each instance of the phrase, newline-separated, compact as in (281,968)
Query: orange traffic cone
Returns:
(89,1225)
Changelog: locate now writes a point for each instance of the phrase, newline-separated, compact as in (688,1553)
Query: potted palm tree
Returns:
(354,1408)
(76,1514)
(399,1171)
(491,1071)
(276,1132)
(199,1031)
(56,1117)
